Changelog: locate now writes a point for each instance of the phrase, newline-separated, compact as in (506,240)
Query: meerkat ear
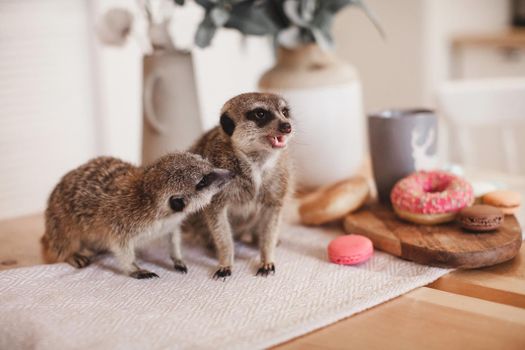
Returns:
(227,124)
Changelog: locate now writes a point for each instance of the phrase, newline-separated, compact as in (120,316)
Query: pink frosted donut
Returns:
(431,197)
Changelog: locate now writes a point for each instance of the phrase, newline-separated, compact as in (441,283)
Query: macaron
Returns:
(508,201)
(480,218)
(350,249)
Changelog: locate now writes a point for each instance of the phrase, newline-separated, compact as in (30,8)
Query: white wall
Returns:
(392,69)
(446,18)
(118,79)
(406,69)
(65,98)
(46,99)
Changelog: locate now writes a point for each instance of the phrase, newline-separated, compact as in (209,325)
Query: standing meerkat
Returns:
(108,205)
(251,141)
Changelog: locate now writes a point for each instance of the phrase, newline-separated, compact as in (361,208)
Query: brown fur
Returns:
(110,205)
(253,201)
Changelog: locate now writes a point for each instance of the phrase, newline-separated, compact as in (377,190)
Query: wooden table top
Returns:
(474,309)
(469,309)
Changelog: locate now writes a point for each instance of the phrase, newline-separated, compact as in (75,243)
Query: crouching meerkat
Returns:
(108,205)
(251,142)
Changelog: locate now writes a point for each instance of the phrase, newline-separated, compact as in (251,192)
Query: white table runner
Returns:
(58,307)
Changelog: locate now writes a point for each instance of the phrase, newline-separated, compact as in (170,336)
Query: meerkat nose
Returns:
(285,128)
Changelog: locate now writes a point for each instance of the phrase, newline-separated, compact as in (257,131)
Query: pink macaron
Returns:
(350,250)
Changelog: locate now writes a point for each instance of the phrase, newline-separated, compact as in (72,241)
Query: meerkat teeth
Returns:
(277,141)
(280,141)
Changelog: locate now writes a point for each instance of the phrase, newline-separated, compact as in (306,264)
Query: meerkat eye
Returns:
(177,204)
(286,112)
(260,114)
(204,182)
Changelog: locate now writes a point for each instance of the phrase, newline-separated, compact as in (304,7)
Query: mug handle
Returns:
(149,110)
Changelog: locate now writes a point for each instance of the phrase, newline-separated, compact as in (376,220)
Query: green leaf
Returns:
(312,18)
(289,37)
(219,15)
(308,8)
(251,19)
(205,32)
(323,39)
(323,20)
(335,6)
(300,13)
(207,4)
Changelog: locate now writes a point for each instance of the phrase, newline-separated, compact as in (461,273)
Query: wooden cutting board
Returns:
(445,245)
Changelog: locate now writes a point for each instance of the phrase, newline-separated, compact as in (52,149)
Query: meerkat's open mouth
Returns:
(277,141)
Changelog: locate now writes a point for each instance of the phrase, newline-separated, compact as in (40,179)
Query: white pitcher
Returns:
(171,113)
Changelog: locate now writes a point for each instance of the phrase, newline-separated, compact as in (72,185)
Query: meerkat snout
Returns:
(285,128)
(110,205)
(218,176)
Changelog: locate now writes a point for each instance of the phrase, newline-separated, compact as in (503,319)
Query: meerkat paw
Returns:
(143,274)
(180,266)
(78,260)
(266,269)
(222,272)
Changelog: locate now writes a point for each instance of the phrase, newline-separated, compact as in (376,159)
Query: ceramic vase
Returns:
(171,115)
(326,101)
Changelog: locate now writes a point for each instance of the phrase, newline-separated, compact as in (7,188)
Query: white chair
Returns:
(485,122)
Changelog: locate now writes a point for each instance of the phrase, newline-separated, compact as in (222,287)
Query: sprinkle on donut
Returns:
(432,192)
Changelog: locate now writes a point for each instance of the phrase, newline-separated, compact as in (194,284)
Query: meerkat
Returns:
(108,205)
(251,142)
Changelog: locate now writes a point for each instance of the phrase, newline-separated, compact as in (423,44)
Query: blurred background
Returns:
(67,96)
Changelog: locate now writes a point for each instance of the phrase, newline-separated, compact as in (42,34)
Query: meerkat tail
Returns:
(56,250)
(49,255)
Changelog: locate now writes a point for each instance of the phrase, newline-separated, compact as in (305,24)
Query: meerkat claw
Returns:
(179,266)
(222,272)
(266,269)
(79,260)
(143,274)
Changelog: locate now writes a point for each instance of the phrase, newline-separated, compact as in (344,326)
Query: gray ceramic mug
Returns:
(401,142)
